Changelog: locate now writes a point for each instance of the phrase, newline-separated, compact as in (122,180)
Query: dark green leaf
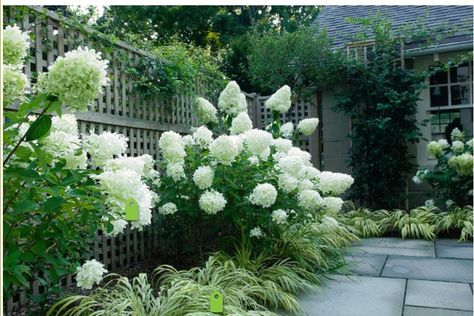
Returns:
(39,128)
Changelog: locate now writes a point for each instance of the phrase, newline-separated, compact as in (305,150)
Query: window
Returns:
(451,100)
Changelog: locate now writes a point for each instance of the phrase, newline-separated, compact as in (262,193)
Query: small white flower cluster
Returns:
(263,195)
(333,204)
(224,149)
(282,145)
(63,142)
(15,45)
(279,216)
(168,209)
(457,135)
(205,111)
(231,100)
(286,130)
(334,183)
(258,142)
(308,126)
(309,200)
(257,232)
(280,101)
(172,148)
(241,123)
(212,202)
(15,85)
(77,78)
(202,137)
(105,146)
(89,273)
(463,164)
(434,149)
(203,177)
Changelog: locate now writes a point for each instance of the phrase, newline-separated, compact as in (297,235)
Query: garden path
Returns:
(396,277)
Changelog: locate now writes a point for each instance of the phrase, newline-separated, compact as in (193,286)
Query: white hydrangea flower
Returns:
(104,146)
(333,204)
(119,226)
(279,217)
(311,173)
(203,177)
(443,143)
(136,164)
(16,45)
(308,126)
(212,202)
(282,145)
(168,209)
(457,147)
(241,123)
(334,183)
(188,140)
(280,101)
(172,147)
(175,171)
(309,200)
(329,223)
(304,155)
(205,111)
(203,136)
(89,273)
(263,195)
(238,141)
(77,78)
(469,143)
(450,203)
(121,185)
(231,101)
(256,232)
(456,134)
(286,130)
(434,149)
(287,183)
(224,149)
(254,160)
(292,165)
(15,85)
(66,123)
(430,203)
(305,184)
(462,164)
(258,141)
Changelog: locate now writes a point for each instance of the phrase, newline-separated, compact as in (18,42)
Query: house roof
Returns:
(438,18)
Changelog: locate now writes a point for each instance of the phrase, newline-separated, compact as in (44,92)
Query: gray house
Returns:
(448,97)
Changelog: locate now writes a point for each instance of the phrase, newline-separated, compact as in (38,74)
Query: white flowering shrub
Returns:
(451,177)
(61,187)
(243,182)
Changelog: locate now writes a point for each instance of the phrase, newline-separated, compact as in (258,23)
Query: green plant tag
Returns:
(131,210)
(216,301)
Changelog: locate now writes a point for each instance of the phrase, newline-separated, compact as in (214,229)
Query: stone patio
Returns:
(400,278)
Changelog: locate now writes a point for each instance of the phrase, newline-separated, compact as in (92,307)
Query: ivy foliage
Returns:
(380,97)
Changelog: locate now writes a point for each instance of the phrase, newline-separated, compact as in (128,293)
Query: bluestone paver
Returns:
(363,296)
(453,242)
(424,268)
(425,311)
(393,242)
(438,294)
(459,252)
(398,251)
(368,265)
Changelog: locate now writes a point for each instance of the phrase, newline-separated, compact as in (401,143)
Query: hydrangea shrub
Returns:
(451,177)
(230,179)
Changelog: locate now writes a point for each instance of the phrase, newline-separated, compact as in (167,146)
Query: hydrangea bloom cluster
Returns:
(280,216)
(286,130)
(203,177)
(256,232)
(258,142)
(168,209)
(263,195)
(62,81)
(90,273)
(280,101)
(308,126)
(105,146)
(212,202)
(334,183)
(15,85)
(309,200)
(231,100)
(462,164)
(333,204)
(205,111)
(241,123)
(15,45)
(202,136)
(224,149)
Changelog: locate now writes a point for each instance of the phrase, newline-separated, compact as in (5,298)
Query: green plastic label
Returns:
(216,302)
(131,210)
